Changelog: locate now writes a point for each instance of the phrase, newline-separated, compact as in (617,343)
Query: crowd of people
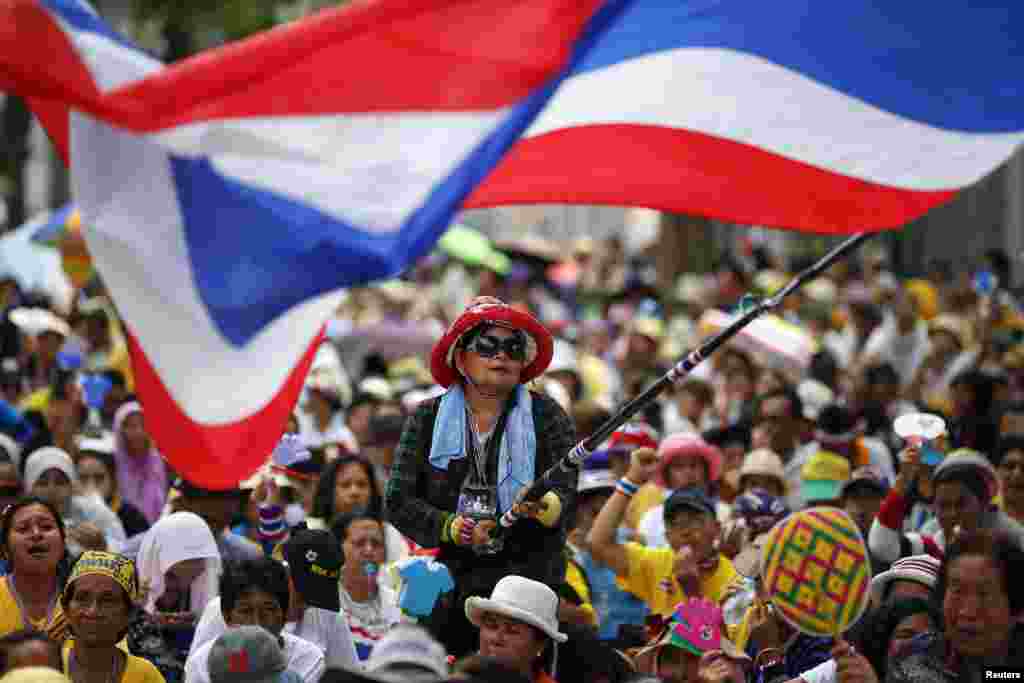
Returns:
(435,401)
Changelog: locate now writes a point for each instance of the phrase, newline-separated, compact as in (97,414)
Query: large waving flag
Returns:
(821,116)
(227,199)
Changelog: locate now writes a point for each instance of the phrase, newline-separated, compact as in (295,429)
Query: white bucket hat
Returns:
(522,599)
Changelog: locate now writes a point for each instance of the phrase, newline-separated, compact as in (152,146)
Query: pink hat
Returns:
(685,444)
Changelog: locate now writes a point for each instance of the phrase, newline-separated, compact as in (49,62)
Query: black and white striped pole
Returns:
(581,451)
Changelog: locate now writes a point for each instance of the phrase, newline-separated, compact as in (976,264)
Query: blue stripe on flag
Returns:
(848,46)
(256,254)
(81,16)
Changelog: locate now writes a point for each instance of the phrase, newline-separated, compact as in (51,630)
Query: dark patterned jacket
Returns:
(420,497)
(929,659)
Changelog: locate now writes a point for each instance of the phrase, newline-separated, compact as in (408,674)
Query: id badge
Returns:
(480,503)
(477,502)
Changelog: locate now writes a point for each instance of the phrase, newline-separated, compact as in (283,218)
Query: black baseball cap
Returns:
(314,559)
(689,499)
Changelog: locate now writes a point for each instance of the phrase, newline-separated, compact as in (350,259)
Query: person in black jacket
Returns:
(465,457)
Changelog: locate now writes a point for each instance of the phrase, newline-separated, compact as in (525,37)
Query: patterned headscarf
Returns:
(117,567)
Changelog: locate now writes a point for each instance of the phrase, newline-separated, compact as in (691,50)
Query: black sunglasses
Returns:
(488,346)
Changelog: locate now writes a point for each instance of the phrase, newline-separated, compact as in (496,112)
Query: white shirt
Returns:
(327,630)
(823,673)
(302,657)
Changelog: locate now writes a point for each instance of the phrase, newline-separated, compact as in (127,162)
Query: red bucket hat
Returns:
(491,311)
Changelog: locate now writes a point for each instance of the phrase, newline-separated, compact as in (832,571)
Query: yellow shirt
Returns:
(574,577)
(652,580)
(11,619)
(37,400)
(649,496)
(136,669)
(740,633)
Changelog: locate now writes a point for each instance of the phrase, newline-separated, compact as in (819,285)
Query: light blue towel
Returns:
(518,442)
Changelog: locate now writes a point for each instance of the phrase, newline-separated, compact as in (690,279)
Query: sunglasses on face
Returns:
(489,346)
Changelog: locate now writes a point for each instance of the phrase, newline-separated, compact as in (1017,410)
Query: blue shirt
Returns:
(615,607)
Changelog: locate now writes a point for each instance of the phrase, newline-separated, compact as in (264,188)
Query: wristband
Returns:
(446,528)
(626,487)
(462,530)
(768,658)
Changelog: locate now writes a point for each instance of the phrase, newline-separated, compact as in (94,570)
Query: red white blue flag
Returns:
(227,199)
(837,117)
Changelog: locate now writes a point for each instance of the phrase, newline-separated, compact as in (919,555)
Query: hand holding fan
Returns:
(817,571)
(921,429)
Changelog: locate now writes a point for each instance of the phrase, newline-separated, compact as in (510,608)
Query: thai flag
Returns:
(821,116)
(227,199)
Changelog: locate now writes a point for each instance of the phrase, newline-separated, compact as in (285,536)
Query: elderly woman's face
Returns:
(512,642)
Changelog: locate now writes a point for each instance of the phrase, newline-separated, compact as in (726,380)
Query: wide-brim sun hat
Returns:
(522,599)
(490,311)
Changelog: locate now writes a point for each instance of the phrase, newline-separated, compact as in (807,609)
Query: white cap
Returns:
(407,645)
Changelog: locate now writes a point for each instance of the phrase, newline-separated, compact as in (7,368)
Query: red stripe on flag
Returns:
(688,172)
(373,57)
(215,456)
(39,61)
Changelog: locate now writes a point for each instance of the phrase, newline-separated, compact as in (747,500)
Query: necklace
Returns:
(39,624)
(75,672)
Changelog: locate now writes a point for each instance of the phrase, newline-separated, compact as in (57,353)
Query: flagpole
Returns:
(581,451)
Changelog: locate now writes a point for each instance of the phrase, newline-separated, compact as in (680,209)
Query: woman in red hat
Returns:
(465,457)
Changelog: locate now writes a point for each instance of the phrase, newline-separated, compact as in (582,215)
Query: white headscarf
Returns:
(44,459)
(12,448)
(175,538)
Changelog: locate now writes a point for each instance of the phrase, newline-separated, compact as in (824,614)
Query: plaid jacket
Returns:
(420,497)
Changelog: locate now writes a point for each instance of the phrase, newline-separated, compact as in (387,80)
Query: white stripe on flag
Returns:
(746,99)
(382,166)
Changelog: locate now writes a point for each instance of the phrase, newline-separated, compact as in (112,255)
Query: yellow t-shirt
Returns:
(11,619)
(652,580)
(136,669)
(649,496)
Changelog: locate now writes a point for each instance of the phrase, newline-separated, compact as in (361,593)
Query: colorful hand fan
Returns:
(817,571)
